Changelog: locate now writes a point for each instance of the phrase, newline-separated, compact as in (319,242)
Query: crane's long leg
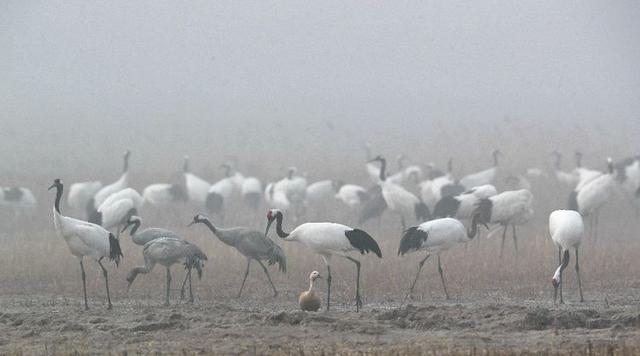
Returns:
(328,286)
(415,279)
(166,302)
(275,292)
(578,273)
(84,286)
(515,242)
(358,298)
(246,273)
(595,227)
(190,290)
(444,286)
(504,235)
(106,282)
(184,282)
(559,263)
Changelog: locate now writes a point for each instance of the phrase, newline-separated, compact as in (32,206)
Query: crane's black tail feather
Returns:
(363,242)
(412,239)
(114,249)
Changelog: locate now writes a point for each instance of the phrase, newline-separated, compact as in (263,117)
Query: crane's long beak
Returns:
(124,228)
(268,226)
(51,187)
(191,223)
(485,225)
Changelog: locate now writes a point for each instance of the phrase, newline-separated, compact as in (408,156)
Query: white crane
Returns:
(585,175)
(80,196)
(276,196)
(85,239)
(251,192)
(251,244)
(328,239)
(628,176)
(220,193)
(321,193)
(167,251)
(197,188)
(373,171)
(513,207)
(483,177)
(20,200)
(236,177)
(352,195)
(164,194)
(121,183)
(409,174)
(435,236)
(439,186)
(591,197)
(564,177)
(566,229)
(117,208)
(399,200)
(461,206)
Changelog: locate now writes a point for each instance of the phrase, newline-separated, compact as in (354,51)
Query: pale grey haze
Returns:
(302,83)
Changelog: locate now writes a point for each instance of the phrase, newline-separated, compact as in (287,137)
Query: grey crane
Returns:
(143,237)
(168,251)
(250,243)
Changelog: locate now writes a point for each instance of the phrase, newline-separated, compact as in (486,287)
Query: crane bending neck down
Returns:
(58,185)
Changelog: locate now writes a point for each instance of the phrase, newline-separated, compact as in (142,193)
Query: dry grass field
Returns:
(498,305)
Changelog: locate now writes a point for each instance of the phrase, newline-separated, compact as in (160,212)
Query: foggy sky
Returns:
(216,74)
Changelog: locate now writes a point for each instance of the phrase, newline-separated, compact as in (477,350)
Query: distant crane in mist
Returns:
(106,191)
(197,188)
(85,239)
(486,176)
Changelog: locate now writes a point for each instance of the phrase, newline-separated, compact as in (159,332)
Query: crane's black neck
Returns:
(134,229)
(279,231)
(56,203)
(383,169)
(474,227)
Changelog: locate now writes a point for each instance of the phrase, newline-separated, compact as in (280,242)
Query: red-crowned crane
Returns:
(329,239)
(435,236)
(400,200)
(483,177)
(108,190)
(197,188)
(566,229)
(513,207)
(85,239)
(117,208)
(590,198)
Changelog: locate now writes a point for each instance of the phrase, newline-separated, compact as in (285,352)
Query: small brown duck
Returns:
(309,300)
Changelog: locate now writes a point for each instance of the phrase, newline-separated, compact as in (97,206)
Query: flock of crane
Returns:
(449,211)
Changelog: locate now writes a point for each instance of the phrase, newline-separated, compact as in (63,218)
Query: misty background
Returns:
(287,83)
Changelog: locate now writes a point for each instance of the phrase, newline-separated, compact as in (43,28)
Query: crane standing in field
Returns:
(328,239)
(566,229)
(85,239)
(435,237)
(106,191)
(251,244)
(168,251)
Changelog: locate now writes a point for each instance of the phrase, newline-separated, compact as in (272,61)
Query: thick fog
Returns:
(278,83)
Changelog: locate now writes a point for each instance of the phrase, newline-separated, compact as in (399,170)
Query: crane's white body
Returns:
(106,191)
(25,204)
(513,207)
(197,189)
(442,234)
(80,194)
(566,228)
(398,199)
(469,199)
(276,196)
(116,207)
(82,238)
(320,192)
(596,193)
(251,185)
(373,171)
(585,176)
(567,178)
(431,190)
(324,239)
(158,194)
(224,187)
(486,176)
(351,195)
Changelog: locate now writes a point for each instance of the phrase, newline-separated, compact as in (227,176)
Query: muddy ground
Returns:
(42,324)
